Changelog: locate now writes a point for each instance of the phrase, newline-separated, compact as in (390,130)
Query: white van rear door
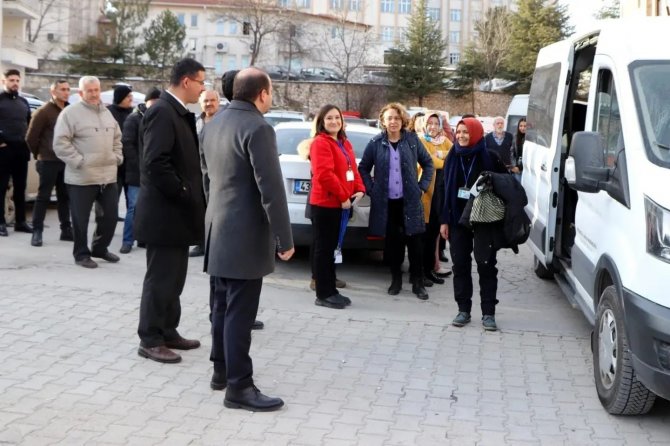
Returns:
(544,144)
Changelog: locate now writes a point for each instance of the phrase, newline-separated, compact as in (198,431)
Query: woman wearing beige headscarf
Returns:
(437,145)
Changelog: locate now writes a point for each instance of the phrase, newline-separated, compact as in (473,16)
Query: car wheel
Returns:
(619,390)
(541,271)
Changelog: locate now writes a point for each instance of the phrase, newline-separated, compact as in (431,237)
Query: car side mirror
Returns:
(584,169)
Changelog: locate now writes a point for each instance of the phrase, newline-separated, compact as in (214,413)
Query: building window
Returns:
(455,15)
(354,5)
(402,34)
(245,62)
(335,4)
(192,43)
(181,18)
(233,28)
(194,20)
(404,6)
(303,3)
(387,5)
(218,64)
(454,37)
(454,58)
(282,3)
(434,14)
(232,62)
(246,28)
(220,27)
(387,33)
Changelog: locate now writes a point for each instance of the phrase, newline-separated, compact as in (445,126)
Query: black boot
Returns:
(37,237)
(419,289)
(396,285)
(66,234)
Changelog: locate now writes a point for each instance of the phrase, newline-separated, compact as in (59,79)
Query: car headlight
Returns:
(658,230)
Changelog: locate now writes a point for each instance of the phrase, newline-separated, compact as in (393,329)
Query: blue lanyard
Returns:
(343,227)
(344,152)
(467,176)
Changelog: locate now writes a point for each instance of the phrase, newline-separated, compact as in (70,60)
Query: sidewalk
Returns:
(384,372)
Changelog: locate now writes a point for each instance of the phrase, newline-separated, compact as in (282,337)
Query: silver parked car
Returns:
(297,181)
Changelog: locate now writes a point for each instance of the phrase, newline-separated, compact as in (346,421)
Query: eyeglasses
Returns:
(196,80)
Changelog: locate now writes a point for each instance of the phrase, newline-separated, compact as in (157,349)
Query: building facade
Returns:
(16,50)
(649,8)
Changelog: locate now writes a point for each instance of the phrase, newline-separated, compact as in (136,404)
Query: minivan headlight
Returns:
(658,230)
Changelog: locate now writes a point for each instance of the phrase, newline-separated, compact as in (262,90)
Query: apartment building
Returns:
(16,50)
(650,8)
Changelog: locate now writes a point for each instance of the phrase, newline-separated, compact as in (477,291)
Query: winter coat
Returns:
(376,156)
(513,230)
(330,187)
(432,149)
(88,140)
(132,145)
(14,119)
(40,136)
(503,150)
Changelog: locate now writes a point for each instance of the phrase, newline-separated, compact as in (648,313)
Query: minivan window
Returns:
(608,118)
(651,90)
(542,104)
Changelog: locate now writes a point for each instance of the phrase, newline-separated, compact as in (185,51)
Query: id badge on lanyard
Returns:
(464,192)
(350,175)
(350,172)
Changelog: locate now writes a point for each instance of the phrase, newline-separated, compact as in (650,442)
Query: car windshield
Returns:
(288,140)
(652,90)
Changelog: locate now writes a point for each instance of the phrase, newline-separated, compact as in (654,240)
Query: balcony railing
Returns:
(19,44)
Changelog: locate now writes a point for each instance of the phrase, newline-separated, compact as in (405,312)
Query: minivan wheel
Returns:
(540,270)
(618,388)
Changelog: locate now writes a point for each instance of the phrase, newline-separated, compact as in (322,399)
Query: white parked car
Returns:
(297,181)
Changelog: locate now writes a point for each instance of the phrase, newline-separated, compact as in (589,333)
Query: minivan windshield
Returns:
(651,89)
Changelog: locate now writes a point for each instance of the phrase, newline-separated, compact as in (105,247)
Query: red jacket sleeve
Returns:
(323,169)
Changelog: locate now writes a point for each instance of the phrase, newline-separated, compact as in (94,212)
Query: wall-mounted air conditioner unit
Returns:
(222,47)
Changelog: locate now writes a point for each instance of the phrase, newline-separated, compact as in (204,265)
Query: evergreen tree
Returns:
(126,16)
(93,57)
(609,10)
(416,66)
(164,42)
(536,24)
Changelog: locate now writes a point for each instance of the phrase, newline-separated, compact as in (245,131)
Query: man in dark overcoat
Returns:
(246,224)
(170,210)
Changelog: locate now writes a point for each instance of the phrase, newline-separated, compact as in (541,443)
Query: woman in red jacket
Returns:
(336,184)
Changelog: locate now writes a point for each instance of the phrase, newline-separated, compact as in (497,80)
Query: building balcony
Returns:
(18,52)
(21,9)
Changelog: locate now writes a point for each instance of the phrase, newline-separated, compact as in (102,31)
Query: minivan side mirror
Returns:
(585,169)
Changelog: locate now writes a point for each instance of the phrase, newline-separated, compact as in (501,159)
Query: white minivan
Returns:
(518,108)
(597,176)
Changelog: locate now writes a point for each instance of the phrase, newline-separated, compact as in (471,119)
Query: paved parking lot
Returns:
(387,371)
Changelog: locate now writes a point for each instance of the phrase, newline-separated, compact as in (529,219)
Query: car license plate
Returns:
(301,187)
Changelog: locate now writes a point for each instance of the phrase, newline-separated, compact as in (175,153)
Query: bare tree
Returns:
(347,44)
(492,45)
(258,18)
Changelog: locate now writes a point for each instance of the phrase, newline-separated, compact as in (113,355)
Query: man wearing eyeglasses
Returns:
(170,211)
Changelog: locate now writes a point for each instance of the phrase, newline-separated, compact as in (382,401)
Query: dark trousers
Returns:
(396,241)
(51,175)
(325,234)
(233,314)
(14,165)
(460,247)
(160,307)
(106,211)
(430,243)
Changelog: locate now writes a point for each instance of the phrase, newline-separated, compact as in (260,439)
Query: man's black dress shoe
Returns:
(182,343)
(419,290)
(159,354)
(37,238)
(258,325)
(345,300)
(333,302)
(3,230)
(433,278)
(250,398)
(442,275)
(218,381)
(112,258)
(66,234)
(396,285)
(86,262)
(23,227)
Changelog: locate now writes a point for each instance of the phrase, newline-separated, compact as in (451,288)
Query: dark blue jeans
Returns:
(131,200)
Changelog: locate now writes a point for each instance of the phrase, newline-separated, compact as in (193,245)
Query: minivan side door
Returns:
(544,144)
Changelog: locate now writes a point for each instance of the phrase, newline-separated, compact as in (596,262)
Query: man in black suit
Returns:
(170,210)
(247,223)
